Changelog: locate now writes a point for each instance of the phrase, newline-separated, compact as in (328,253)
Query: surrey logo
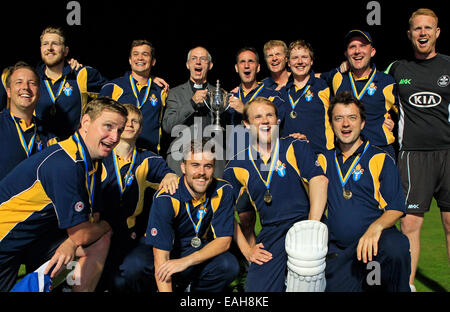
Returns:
(443,81)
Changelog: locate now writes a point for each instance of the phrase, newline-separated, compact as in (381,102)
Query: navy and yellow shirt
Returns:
(289,174)
(150,99)
(310,105)
(261,90)
(62,101)
(47,192)
(19,141)
(378,93)
(375,185)
(127,190)
(3,95)
(172,217)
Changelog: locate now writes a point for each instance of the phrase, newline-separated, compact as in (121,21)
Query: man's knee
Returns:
(411,223)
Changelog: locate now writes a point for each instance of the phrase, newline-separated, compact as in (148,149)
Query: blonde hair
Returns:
(423,11)
(300,44)
(131,108)
(275,43)
(54,30)
(95,107)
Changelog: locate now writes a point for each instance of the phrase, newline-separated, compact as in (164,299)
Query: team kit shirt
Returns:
(361,188)
(150,99)
(306,112)
(288,171)
(260,90)
(176,219)
(424,92)
(377,92)
(19,141)
(127,188)
(52,190)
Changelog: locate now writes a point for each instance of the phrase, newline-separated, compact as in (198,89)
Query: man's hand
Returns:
(167,269)
(162,83)
(257,254)
(199,96)
(169,183)
(298,136)
(368,243)
(63,255)
(74,64)
(389,123)
(237,104)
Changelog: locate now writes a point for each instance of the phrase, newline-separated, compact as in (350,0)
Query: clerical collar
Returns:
(196,87)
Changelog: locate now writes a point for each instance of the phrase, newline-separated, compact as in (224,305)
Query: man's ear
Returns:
(183,167)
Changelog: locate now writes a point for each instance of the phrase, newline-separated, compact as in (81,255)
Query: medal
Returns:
(196,242)
(347,194)
(293,103)
(293,114)
(268,197)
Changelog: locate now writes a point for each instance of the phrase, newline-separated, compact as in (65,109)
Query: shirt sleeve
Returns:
(306,159)
(160,232)
(391,190)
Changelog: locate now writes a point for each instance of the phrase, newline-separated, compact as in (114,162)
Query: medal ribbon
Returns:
(254,95)
(293,104)
(90,182)
(27,147)
(135,91)
(353,165)
(122,182)
(50,91)
(196,226)
(364,90)
(272,164)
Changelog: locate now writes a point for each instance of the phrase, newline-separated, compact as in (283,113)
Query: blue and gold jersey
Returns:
(174,219)
(287,174)
(372,177)
(62,101)
(49,191)
(378,93)
(126,189)
(20,141)
(3,95)
(260,90)
(306,112)
(150,99)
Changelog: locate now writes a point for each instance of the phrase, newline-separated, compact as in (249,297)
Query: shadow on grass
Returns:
(431,284)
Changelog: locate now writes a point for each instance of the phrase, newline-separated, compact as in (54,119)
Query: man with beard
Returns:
(191,230)
(374,88)
(64,91)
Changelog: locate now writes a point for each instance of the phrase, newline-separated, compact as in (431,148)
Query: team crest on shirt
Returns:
(79,206)
(309,95)
(67,89)
(281,169)
(372,88)
(357,173)
(154,232)
(201,213)
(153,100)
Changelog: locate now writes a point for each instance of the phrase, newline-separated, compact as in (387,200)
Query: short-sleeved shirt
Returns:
(20,141)
(48,192)
(310,106)
(62,101)
(378,93)
(150,99)
(293,168)
(127,195)
(375,185)
(424,91)
(172,217)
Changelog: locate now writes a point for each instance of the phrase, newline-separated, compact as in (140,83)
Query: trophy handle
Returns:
(205,102)
(227,99)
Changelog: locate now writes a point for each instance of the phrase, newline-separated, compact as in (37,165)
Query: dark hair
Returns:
(139,42)
(251,49)
(346,98)
(17,66)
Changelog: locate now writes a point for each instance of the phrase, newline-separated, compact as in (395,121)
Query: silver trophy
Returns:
(218,102)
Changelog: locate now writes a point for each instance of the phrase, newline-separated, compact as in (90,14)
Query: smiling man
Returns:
(424,132)
(365,200)
(374,88)
(140,88)
(191,230)
(285,185)
(48,202)
(275,54)
(22,133)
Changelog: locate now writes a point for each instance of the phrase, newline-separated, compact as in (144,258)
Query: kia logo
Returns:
(425,99)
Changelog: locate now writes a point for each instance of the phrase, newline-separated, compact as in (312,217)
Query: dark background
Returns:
(223,27)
